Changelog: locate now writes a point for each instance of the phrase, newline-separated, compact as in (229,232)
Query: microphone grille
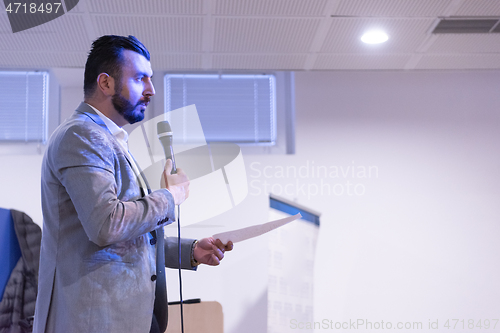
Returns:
(163,127)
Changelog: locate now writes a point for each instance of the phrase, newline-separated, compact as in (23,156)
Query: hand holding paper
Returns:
(210,251)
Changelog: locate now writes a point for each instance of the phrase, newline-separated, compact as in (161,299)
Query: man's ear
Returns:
(106,84)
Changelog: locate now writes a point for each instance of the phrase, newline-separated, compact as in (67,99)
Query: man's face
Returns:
(134,89)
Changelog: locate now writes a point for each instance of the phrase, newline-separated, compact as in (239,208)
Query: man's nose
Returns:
(149,89)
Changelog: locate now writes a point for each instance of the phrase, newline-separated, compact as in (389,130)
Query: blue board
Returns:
(292,209)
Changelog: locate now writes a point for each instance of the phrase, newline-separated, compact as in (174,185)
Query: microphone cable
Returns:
(180,262)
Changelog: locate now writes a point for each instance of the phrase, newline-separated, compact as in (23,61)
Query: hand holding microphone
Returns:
(177,184)
(173,179)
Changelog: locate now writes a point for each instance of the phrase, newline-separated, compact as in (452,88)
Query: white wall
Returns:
(418,241)
(20,179)
(414,235)
(422,241)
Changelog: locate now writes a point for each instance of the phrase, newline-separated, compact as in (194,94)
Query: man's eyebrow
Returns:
(142,74)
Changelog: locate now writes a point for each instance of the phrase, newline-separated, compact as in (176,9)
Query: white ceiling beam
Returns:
(431,38)
(87,21)
(321,33)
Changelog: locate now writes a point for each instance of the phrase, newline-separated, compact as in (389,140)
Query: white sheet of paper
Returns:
(253,231)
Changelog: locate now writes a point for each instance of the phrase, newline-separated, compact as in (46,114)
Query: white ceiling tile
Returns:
(61,34)
(466,43)
(391,8)
(41,60)
(361,61)
(163,34)
(479,8)
(264,35)
(259,61)
(405,35)
(270,7)
(175,61)
(456,61)
(261,34)
(168,7)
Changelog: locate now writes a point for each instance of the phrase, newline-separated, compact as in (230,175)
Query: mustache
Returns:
(144,101)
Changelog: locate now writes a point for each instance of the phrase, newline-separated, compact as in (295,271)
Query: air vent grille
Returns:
(467,26)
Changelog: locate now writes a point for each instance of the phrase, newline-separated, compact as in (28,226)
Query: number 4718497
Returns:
(32,8)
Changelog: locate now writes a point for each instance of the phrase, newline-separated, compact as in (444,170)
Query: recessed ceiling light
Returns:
(374,37)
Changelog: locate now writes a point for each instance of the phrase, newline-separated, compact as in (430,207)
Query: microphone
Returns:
(165,136)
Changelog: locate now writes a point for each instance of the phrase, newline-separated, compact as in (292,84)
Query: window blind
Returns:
(231,108)
(23,106)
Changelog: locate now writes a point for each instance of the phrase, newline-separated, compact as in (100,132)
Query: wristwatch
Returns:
(194,263)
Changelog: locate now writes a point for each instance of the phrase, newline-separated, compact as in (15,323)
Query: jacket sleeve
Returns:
(172,253)
(104,190)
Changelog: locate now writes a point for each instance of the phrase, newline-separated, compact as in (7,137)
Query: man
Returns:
(97,264)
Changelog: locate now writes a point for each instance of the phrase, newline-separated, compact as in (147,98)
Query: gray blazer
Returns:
(97,260)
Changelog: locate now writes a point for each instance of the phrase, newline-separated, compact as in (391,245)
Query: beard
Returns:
(127,109)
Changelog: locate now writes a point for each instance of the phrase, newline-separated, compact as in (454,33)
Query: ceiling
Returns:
(294,35)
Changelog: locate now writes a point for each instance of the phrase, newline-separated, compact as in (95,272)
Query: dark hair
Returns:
(105,56)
